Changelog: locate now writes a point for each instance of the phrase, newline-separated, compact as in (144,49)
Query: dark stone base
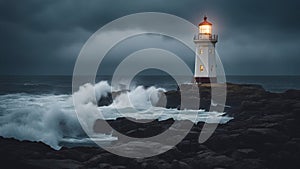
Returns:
(205,79)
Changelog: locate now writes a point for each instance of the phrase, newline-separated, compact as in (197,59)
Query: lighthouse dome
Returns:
(205,22)
(205,27)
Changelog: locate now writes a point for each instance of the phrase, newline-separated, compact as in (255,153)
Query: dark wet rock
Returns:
(205,153)
(296,114)
(105,166)
(101,126)
(154,164)
(293,145)
(119,167)
(292,94)
(94,161)
(214,161)
(222,142)
(108,99)
(252,105)
(264,134)
(105,100)
(245,153)
(250,164)
(173,99)
(261,135)
(296,105)
(179,165)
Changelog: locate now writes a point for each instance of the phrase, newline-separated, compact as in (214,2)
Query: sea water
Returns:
(40,108)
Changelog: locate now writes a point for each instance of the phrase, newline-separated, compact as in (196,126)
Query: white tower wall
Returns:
(205,59)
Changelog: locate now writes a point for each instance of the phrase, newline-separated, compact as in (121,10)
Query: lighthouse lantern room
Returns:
(205,61)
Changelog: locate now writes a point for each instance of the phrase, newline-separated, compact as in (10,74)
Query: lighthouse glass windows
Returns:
(205,29)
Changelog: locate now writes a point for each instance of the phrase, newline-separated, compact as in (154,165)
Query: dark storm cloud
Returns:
(44,37)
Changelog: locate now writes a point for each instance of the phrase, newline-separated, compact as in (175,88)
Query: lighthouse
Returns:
(205,60)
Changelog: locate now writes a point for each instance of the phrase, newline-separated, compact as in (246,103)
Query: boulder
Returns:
(244,153)
(179,165)
(217,161)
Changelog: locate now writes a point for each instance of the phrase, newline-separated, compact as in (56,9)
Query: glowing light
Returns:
(201,68)
(205,29)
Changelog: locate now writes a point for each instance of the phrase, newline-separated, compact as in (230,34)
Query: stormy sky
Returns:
(44,37)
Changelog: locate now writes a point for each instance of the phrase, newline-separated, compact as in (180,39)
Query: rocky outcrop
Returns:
(264,133)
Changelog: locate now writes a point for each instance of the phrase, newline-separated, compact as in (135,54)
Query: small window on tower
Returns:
(200,51)
(210,51)
(201,68)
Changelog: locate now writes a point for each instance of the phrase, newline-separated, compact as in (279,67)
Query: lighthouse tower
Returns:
(205,62)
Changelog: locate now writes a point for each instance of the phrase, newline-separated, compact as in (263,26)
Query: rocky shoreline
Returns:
(264,134)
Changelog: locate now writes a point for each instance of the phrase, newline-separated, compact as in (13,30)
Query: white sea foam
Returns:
(52,119)
(46,118)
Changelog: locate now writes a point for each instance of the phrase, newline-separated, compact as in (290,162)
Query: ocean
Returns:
(40,108)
